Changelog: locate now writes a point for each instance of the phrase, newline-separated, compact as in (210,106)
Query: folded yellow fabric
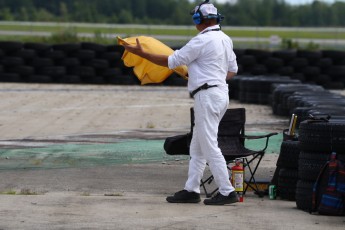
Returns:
(146,71)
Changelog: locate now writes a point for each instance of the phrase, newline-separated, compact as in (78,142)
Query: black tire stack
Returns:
(325,68)
(318,140)
(305,100)
(93,63)
(282,94)
(13,65)
(287,169)
(336,72)
(256,89)
(86,63)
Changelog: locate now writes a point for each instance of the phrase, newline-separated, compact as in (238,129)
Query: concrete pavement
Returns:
(133,197)
(118,196)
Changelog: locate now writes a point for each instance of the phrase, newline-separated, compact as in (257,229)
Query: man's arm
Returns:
(157,59)
(230,75)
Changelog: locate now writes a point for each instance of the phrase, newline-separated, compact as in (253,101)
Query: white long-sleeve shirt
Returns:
(209,57)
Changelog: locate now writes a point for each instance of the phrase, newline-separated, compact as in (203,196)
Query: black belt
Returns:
(204,86)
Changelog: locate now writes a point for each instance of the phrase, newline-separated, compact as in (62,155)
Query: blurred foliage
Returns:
(312,46)
(290,44)
(69,35)
(64,36)
(174,12)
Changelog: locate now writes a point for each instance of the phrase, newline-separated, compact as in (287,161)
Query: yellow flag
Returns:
(146,71)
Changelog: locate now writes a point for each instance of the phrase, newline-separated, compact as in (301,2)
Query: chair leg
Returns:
(208,181)
(255,188)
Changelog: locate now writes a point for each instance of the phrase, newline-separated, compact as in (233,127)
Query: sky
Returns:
(294,2)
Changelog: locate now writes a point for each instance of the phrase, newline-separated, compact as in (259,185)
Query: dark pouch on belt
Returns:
(204,86)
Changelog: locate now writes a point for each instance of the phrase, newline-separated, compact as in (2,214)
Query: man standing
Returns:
(211,61)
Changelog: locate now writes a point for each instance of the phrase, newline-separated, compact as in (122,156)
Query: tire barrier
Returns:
(314,74)
(289,154)
(287,167)
(317,140)
(256,89)
(304,193)
(80,63)
(282,93)
(287,182)
(92,63)
(305,100)
(296,72)
(322,136)
(325,68)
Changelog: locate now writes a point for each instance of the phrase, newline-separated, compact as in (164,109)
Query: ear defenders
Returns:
(198,16)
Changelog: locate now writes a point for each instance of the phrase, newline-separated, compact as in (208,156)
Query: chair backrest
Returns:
(231,132)
(232,123)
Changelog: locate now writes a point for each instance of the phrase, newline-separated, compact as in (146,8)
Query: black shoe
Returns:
(184,197)
(219,199)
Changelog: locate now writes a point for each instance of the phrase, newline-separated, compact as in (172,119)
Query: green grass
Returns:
(113,30)
(260,32)
(28,192)
(22,192)
(106,33)
(8,192)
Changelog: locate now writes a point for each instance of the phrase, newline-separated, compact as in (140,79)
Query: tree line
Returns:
(174,12)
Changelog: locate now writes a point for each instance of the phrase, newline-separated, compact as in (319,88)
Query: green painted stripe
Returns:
(87,155)
(273,144)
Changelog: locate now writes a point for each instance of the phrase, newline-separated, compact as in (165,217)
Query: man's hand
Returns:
(157,59)
(230,75)
(137,50)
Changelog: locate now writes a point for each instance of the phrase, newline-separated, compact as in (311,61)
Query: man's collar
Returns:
(210,28)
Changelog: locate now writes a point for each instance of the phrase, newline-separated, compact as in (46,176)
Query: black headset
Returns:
(198,16)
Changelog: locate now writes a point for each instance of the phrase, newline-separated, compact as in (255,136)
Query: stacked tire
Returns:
(287,169)
(305,100)
(14,67)
(258,89)
(93,63)
(336,72)
(85,62)
(318,139)
(325,68)
(283,93)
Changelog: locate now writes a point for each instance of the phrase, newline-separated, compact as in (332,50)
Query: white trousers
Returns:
(209,107)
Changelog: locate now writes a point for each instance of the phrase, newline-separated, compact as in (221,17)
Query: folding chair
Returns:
(231,140)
